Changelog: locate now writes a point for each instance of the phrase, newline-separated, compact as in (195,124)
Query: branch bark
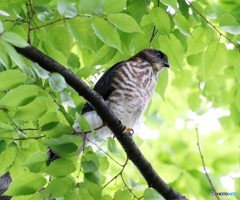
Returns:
(132,151)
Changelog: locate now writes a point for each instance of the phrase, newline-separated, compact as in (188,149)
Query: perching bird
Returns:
(127,87)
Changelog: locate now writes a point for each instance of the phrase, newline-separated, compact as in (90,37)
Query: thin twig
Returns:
(208,22)
(105,152)
(204,165)
(123,167)
(27,129)
(155,31)
(30,138)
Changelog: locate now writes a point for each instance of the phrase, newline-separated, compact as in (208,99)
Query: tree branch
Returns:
(132,151)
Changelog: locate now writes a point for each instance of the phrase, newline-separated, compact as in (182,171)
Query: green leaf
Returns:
(90,162)
(79,193)
(67,9)
(4,57)
(89,166)
(124,22)
(36,196)
(56,129)
(14,39)
(194,101)
(172,3)
(62,44)
(36,161)
(110,6)
(57,82)
(102,29)
(13,54)
(229,24)
(112,147)
(151,194)
(104,163)
(174,49)
(61,167)
(44,13)
(11,78)
(214,59)
(81,29)
(103,55)
(32,111)
(162,83)
(161,20)
(26,183)
(53,52)
(182,24)
(200,39)
(237,67)
(122,194)
(93,6)
(65,144)
(59,187)
(42,73)
(146,19)
(19,95)
(1,27)
(8,156)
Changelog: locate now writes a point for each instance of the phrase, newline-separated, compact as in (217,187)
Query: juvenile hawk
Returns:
(127,88)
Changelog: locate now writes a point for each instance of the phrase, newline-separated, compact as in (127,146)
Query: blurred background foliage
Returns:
(199,94)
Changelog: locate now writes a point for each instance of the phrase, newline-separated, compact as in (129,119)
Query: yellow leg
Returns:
(128,130)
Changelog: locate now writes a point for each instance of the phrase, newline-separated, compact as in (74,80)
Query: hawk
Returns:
(127,87)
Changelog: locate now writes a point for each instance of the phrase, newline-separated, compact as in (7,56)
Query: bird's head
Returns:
(156,58)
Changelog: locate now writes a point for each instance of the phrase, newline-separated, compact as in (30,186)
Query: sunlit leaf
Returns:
(172,3)
(102,29)
(14,39)
(199,40)
(67,9)
(13,54)
(36,162)
(42,73)
(229,24)
(57,82)
(26,183)
(1,27)
(37,108)
(162,83)
(8,156)
(59,187)
(61,167)
(151,194)
(110,6)
(214,59)
(124,22)
(174,49)
(122,194)
(65,144)
(182,24)
(93,6)
(161,20)
(16,79)
(19,95)
(81,29)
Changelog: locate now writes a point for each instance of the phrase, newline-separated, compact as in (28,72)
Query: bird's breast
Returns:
(133,87)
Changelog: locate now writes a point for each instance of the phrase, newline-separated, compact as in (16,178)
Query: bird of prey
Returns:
(127,88)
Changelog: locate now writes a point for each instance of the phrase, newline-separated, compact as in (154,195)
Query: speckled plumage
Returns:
(127,88)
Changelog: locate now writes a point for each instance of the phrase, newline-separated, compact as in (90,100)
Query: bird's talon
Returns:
(128,130)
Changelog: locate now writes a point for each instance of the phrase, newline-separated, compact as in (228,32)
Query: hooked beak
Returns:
(166,64)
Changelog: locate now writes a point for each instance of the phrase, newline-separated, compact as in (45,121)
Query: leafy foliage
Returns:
(200,90)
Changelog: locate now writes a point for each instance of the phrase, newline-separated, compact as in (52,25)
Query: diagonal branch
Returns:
(132,151)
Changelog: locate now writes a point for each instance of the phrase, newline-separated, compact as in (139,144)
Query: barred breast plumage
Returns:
(127,88)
